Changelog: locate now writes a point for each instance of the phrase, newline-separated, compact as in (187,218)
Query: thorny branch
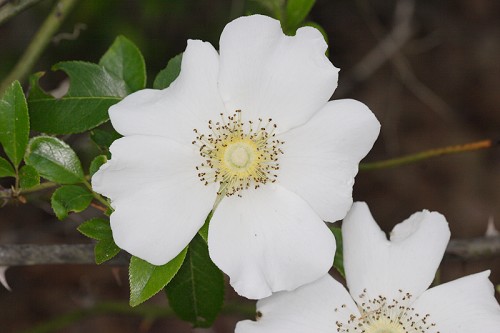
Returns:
(32,254)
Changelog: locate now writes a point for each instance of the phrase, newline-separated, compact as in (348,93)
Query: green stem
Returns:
(11,9)
(39,187)
(97,196)
(39,42)
(413,158)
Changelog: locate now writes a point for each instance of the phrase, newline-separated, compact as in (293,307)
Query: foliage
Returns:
(100,230)
(196,293)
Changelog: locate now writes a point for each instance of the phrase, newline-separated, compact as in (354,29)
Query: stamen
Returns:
(380,315)
(237,156)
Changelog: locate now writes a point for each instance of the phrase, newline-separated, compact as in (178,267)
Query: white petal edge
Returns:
(187,104)
(159,203)
(269,240)
(310,308)
(269,75)
(462,306)
(382,267)
(321,157)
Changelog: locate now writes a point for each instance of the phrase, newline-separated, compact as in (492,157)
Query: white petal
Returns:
(188,103)
(408,262)
(321,158)
(159,202)
(269,75)
(462,306)
(269,240)
(310,308)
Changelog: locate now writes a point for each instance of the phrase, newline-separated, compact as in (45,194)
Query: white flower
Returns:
(252,124)
(387,283)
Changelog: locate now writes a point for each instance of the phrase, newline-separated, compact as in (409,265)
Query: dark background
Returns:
(440,88)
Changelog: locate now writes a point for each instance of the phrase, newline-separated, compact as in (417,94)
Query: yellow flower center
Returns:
(384,325)
(238,155)
(380,315)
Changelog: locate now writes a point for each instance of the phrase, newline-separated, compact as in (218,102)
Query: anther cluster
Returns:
(381,315)
(238,155)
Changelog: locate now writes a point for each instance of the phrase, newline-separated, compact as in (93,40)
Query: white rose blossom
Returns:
(252,125)
(387,282)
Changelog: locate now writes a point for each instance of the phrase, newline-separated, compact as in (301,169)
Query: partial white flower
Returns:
(251,124)
(387,281)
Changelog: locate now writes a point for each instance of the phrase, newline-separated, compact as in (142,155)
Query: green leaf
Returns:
(338,262)
(6,169)
(124,61)
(100,230)
(104,138)
(296,12)
(196,293)
(14,123)
(96,163)
(28,177)
(54,160)
(92,91)
(96,228)
(203,232)
(105,250)
(70,198)
(167,75)
(146,280)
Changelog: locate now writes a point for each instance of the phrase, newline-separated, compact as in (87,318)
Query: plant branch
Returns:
(9,9)
(387,47)
(39,187)
(475,248)
(39,42)
(413,158)
(32,254)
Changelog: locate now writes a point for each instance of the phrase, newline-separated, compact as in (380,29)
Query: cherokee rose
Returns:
(251,125)
(387,281)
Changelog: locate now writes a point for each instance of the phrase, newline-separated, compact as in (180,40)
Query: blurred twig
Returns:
(413,158)
(39,43)
(389,49)
(386,48)
(9,9)
(475,248)
(31,254)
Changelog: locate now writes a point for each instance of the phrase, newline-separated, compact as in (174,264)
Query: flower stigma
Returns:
(380,315)
(238,155)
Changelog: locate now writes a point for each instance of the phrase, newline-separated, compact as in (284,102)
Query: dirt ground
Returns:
(434,84)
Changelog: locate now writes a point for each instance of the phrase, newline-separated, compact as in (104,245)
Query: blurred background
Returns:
(429,70)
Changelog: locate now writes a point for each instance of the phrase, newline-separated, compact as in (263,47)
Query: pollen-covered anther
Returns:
(238,155)
(381,315)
